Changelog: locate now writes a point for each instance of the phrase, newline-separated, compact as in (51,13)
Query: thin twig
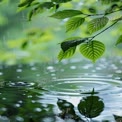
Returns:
(103,31)
(87,15)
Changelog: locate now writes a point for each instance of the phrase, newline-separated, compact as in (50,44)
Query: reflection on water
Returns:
(29,93)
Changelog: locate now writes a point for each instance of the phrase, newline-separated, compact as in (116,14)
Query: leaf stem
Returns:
(103,31)
(87,15)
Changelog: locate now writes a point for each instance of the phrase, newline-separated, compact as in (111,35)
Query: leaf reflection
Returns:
(89,107)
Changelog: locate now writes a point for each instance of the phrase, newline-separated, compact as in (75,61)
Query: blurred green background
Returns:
(23,41)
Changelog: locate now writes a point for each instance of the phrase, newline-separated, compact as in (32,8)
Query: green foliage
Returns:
(92,50)
(74,23)
(119,40)
(94,16)
(68,53)
(66,14)
(26,3)
(91,106)
(97,24)
(40,8)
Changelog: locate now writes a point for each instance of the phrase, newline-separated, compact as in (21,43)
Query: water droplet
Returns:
(17,105)
(20,119)
(98,68)
(118,71)
(4,119)
(53,74)
(38,109)
(18,70)
(30,96)
(33,68)
(3,109)
(72,67)
(18,77)
(62,70)
(1,73)
(20,101)
(50,67)
(3,98)
(33,101)
(37,75)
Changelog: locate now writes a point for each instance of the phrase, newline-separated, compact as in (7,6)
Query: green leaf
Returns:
(92,50)
(66,14)
(47,5)
(118,19)
(97,24)
(25,3)
(91,106)
(61,1)
(24,45)
(74,23)
(119,40)
(70,52)
(72,42)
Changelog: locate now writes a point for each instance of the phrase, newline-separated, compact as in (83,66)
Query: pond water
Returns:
(31,92)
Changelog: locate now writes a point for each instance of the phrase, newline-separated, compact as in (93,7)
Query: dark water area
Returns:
(35,92)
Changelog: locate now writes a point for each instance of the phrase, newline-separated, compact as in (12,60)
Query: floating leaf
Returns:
(92,92)
(72,42)
(66,14)
(70,52)
(97,24)
(92,50)
(91,106)
(118,118)
(119,40)
(74,23)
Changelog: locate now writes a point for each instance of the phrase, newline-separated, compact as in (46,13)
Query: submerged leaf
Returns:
(97,24)
(91,106)
(70,52)
(66,14)
(119,40)
(74,23)
(92,50)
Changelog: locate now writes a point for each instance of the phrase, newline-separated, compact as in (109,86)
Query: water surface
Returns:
(29,92)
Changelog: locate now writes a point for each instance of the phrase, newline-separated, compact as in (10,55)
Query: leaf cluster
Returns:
(96,23)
